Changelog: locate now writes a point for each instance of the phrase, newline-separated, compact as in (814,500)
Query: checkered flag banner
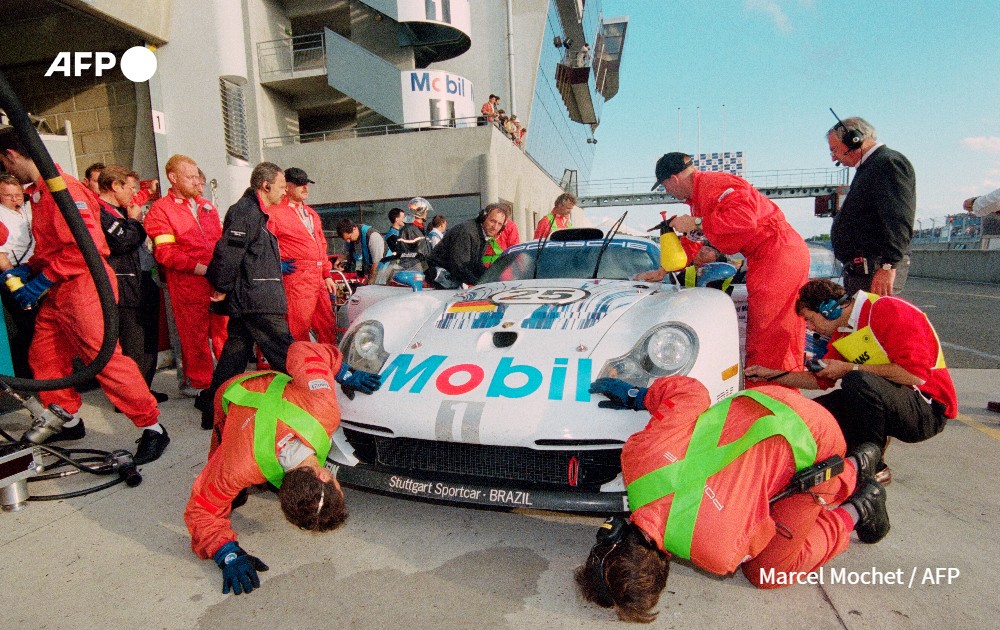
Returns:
(728,162)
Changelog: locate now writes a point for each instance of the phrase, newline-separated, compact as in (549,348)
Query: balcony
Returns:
(292,64)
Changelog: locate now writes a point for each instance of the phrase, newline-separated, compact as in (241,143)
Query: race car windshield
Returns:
(622,260)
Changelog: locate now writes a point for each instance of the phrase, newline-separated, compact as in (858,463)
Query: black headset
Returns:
(853,139)
(831,308)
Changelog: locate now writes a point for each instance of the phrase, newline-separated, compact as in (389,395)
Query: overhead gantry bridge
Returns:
(826,185)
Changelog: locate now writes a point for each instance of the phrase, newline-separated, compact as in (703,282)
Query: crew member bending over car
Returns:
(700,478)
(735,217)
(468,249)
(297,414)
(888,359)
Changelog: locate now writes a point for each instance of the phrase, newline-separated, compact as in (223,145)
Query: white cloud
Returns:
(774,10)
(987,144)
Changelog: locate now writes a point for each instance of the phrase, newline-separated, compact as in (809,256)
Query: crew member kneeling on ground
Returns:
(707,503)
(298,415)
(888,359)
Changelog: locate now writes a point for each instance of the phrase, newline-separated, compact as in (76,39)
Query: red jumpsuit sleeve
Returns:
(69,262)
(543,228)
(141,198)
(170,253)
(732,223)
(676,400)
(208,509)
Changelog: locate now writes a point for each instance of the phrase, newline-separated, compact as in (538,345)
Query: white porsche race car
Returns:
(484,394)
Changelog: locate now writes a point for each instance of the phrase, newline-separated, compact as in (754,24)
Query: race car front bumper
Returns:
(365,477)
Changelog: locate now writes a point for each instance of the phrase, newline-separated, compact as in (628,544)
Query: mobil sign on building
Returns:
(435,98)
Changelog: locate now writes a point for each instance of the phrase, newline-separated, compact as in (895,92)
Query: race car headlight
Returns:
(666,350)
(364,349)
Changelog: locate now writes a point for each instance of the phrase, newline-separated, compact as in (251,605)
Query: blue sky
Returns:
(925,73)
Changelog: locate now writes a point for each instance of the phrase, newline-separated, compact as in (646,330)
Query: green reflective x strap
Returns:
(270,408)
(690,276)
(686,478)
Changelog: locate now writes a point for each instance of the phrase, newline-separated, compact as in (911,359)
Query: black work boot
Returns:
(869,500)
(204,403)
(868,456)
(151,446)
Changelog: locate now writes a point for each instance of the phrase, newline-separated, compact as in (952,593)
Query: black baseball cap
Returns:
(669,165)
(297,176)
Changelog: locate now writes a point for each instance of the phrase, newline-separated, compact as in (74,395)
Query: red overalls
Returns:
(179,243)
(69,322)
(737,218)
(309,304)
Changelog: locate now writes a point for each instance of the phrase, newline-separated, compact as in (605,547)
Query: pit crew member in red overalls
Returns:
(67,325)
(184,228)
(700,478)
(735,217)
(274,428)
(304,262)
(888,359)
(558,219)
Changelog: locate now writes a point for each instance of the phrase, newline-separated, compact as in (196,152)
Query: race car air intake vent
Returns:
(504,339)
(485,463)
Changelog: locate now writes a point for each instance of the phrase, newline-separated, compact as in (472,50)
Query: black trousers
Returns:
(268,330)
(20,330)
(139,328)
(869,408)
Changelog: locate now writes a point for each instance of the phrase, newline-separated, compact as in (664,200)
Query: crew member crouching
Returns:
(298,415)
(700,479)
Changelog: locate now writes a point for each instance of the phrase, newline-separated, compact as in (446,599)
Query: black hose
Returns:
(76,493)
(37,151)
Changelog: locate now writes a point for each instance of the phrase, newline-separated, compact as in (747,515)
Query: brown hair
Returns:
(114,173)
(635,573)
(815,292)
(563,198)
(300,495)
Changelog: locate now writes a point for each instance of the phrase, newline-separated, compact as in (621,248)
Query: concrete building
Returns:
(377,99)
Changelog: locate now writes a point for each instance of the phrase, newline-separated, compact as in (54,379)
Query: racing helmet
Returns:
(419,208)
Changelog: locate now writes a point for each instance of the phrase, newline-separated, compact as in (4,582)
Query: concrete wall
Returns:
(963,265)
(475,160)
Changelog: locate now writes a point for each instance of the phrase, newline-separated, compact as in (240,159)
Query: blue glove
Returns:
(621,395)
(239,569)
(28,295)
(288,266)
(351,379)
(21,271)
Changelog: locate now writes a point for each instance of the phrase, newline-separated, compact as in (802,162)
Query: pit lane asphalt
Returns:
(121,557)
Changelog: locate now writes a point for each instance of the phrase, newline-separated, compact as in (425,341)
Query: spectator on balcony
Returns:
(489,109)
(583,56)
(502,120)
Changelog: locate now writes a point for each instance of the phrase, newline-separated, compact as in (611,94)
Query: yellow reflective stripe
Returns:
(164,238)
(56,184)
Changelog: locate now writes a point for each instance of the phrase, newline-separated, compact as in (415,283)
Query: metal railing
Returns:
(760,179)
(375,130)
(292,54)
(957,228)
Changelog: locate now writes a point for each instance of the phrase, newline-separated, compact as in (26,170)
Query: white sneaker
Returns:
(190,392)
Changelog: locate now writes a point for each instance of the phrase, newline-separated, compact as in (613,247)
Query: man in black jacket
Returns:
(138,296)
(468,249)
(871,233)
(246,274)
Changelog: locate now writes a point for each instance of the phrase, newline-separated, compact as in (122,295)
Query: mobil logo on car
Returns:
(563,380)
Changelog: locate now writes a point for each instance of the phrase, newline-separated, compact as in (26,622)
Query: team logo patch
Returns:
(318,384)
